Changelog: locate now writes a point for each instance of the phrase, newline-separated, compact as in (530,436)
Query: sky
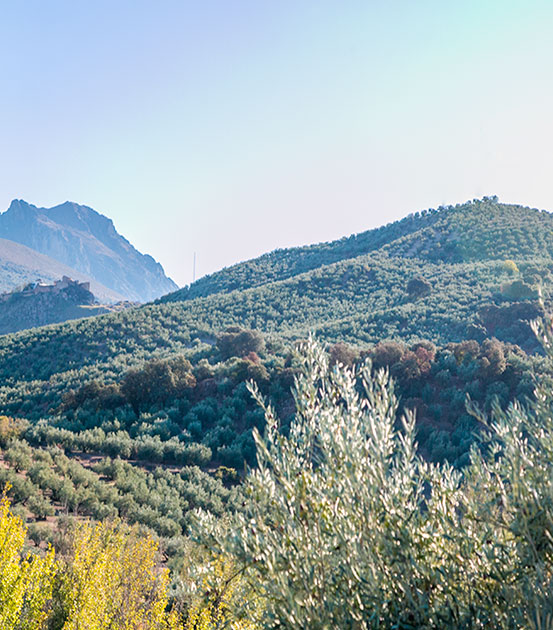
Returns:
(230,128)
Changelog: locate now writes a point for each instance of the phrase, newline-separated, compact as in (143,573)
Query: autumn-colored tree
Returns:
(510,266)
(25,581)
(387,353)
(112,580)
(492,358)
(214,603)
(466,351)
(343,354)
(10,428)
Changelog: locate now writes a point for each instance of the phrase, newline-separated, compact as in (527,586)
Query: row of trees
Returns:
(46,483)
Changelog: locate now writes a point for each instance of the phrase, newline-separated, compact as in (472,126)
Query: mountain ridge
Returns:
(82,238)
(414,236)
(360,300)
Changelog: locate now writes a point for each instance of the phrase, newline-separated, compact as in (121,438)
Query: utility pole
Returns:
(194,269)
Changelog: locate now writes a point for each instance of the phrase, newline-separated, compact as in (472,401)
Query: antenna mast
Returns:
(194,269)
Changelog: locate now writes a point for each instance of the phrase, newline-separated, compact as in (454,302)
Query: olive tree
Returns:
(345,526)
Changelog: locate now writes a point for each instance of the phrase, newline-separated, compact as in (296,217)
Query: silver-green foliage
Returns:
(346,526)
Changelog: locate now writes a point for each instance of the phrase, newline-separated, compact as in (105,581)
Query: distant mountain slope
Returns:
(281,264)
(359,301)
(479,230)
(87,241)
(20,265)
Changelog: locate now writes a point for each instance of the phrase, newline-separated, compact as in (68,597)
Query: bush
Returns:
(343,354)
(418,287)
(519,290)
(40,507)
(11,428)
(236,342)
(112,580)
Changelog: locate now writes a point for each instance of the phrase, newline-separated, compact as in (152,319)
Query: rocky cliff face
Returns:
(87,241)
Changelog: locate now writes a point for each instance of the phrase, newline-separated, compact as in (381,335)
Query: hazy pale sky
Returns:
(234,127)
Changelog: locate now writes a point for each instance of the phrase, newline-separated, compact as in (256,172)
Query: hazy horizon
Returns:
(230,131)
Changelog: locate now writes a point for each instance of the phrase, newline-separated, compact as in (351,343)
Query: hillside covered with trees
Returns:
(146,415)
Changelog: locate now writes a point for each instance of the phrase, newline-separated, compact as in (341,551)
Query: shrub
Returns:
(11,428)
(112,580)
(237,342)
(519,290)
(343,354)
(418,287)
(510,266)
(40,507)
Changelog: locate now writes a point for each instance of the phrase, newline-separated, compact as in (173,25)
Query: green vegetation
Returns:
(481,230)
(342,524)
(346,526)
(145,415)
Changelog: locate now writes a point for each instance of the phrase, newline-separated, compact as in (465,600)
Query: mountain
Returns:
(85,240)
(446,275)
(20,265)
(361,298)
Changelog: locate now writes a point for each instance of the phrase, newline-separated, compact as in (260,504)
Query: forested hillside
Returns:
(475,231)
(145,414)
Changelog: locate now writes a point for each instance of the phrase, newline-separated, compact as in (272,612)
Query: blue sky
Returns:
(233,127)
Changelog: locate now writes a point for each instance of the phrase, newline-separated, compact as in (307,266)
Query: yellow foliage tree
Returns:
(25,582)
(10,428)
(221,586)
(510,265)
(113,581)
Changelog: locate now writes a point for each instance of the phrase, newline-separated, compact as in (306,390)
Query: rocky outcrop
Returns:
(39,304)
